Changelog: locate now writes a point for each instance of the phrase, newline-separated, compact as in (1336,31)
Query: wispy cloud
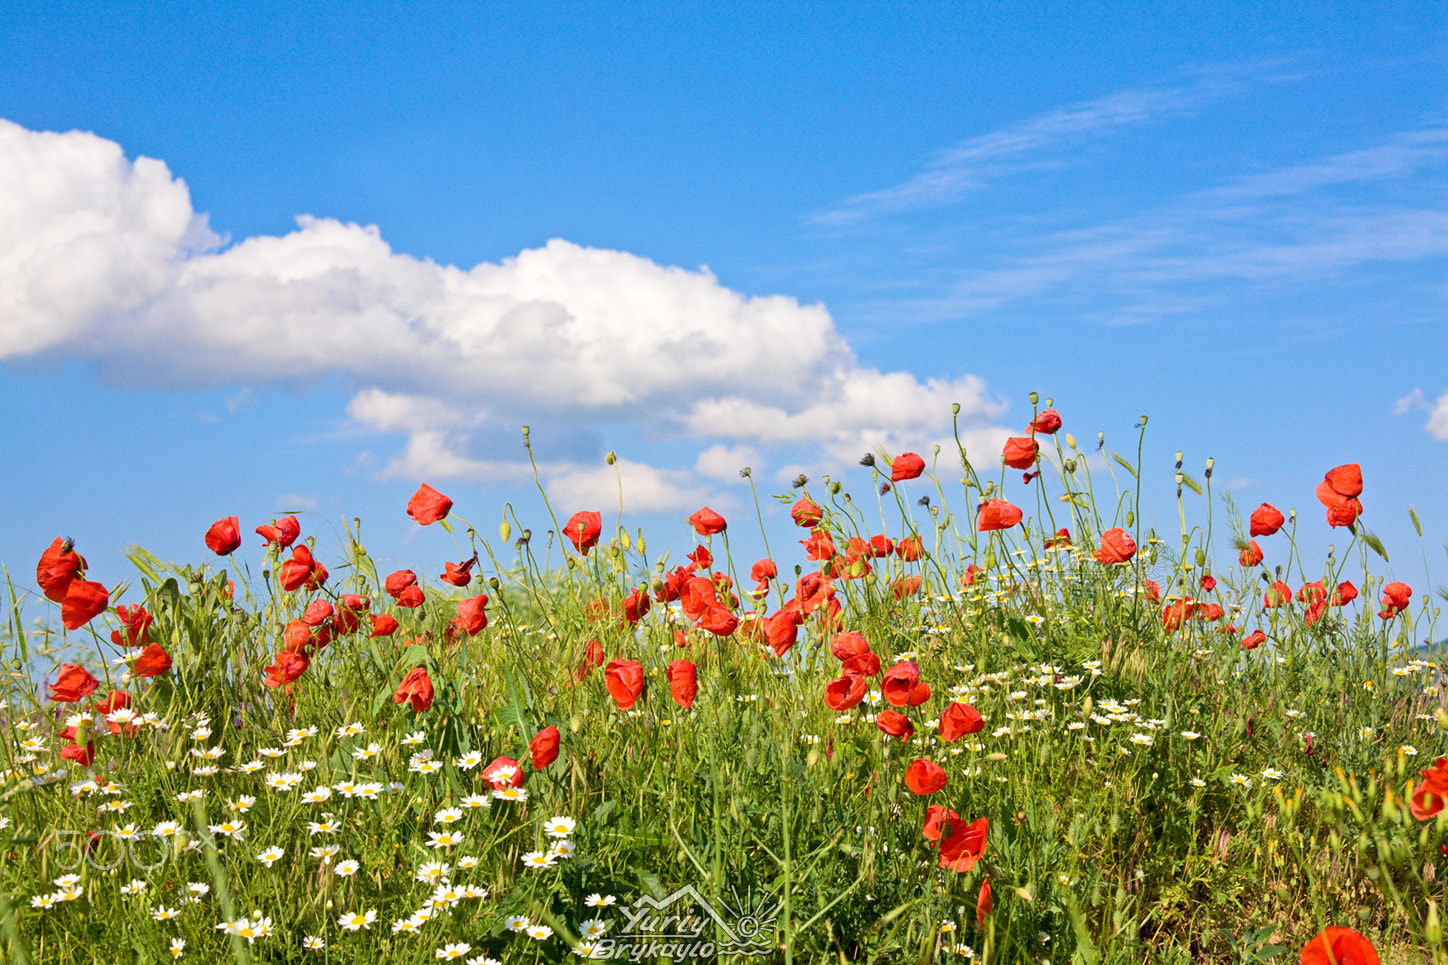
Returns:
(1049,140)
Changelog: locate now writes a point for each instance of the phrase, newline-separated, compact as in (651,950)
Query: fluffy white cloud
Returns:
(1437,424)
(641,487)
(103,258)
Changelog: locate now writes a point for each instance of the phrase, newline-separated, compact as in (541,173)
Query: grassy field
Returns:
(1041,734)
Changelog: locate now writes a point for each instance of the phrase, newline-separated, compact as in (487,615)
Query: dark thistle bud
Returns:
(923,501)
(800,481)
(884,488)
(868,460)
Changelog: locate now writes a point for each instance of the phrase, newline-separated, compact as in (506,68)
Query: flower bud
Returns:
(625,540)
(1035,397)
(1130,518)
(1071,441)
(610,457)
(525,432)
(955,408)
(505,531)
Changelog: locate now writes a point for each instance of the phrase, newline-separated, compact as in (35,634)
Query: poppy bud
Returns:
(505,531)
(610,458)
(955,408)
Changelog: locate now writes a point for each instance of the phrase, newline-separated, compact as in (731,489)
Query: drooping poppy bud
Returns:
(427,505)
(224,536)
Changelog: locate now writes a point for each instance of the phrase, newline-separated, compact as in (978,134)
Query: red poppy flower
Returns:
(811,592)
(1209,583)
(902,685)
(1254,640)
(1339,946)
(415,689)
(458,574)
(819,546)
(668,590)
(806,513)
(905,586)
(1278,594)
(706,522)
(962,849)
(763,571)
(781,630)
(719,621)
(895,724)
(1047,422)
(383,625)
(297,570)
(1397,597)
(907,465)
(427,505)
(909,549)
(1174,614)
(1061,540)
(1153,591)
(592,657)
(924,777)
(81,755)
(115,700)
(959,719)
(967,579)
(471,617)
(865,664)
(152,662)
(411,596)
(1344,594)
(397,581)
(983,904)
(1117,546)
(1266,520)
(881,546)
(1250,556)
(938,819)
(1020,452)
(625,679)
(59,565)
(73,684)
(701,559)
(635,605)
(317,613)
(544,747)
(847,645)
(283,532)
(1430,796)
(1339,492)
(997,514)
(683,682)
(583,530)
(136,623)
(84,600)
(224,536)
(845,692)
(285,668)
(503,772)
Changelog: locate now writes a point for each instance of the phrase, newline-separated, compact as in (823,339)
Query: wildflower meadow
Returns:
(1028,729)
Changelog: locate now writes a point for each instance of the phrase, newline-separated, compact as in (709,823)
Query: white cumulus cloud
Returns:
(1437,424)
(103,258)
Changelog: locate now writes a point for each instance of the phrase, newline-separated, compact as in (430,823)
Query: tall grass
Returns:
(1154,793)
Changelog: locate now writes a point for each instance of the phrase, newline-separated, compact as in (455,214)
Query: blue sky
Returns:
(266,257)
